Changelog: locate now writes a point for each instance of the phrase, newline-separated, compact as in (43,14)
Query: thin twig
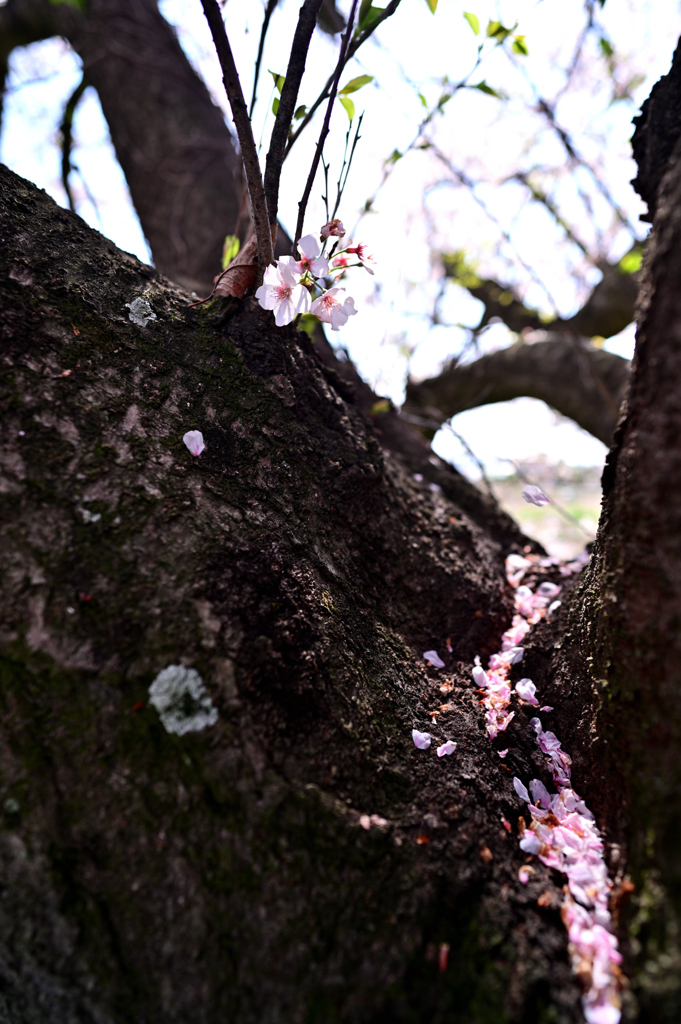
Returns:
(307,20)
(345,42)
(361,38)
(66,128)
(470,185)
(230,77)
(341,187)
(271,4)
(421,421)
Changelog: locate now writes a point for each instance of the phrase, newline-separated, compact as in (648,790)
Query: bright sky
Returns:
(421,208)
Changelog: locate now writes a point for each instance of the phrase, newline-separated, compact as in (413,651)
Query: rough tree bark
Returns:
(618,663)
(301,571)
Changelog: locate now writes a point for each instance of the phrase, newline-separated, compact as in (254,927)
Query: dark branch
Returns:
(249,155)
(271,4)
(66,129)
(302,205)
(287,102)
(361,38)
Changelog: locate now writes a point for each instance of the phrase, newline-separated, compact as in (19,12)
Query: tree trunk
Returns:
(619,662)
(301,571)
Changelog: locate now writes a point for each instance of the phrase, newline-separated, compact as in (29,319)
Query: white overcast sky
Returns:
(420,208)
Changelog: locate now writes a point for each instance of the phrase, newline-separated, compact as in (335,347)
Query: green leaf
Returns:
(433,5)
(275,106)
(80,5)
(631,261)
(355,83)
(605,46)
(423,100)
(495,30)
(382,405)
(487,89)
(520,46)
(394,157)
(230,249)
(278,81)
(370,15)
(349,106)
(473,20)
(300,112)
(309,323)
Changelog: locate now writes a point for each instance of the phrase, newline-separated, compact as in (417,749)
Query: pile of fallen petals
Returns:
(562,832)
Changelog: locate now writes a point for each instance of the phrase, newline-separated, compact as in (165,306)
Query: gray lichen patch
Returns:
(141,312)
(180,697)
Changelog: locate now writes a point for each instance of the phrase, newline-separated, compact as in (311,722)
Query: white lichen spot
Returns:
(141,312)
(90,517)
(179,696)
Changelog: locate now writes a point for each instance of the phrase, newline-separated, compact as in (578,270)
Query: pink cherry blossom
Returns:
(502,753)
(194,441)
(534,495)
(368,262)
(434,658)
(421,739)
(311,259)
(331,310)
(340,261)
(446,748)
(282,292)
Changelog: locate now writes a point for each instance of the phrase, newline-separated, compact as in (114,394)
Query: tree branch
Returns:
(66,129)
(271,4)
(361,38)
(261,219)
(571,375)
(302,205)
(287,102)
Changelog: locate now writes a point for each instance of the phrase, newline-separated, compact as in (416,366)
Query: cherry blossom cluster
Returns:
(311,284)
(562,832)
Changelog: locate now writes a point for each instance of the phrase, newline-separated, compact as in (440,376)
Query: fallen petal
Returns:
(534,495)
(434,658)
(447,748)
(521,790)
(194,441)
(421,739)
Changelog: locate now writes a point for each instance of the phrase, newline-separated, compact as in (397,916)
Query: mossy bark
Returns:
(300,569)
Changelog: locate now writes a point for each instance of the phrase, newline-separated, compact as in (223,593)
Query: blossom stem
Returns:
(249,154)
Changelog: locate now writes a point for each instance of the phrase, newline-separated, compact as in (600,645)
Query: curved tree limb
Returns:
(577,379)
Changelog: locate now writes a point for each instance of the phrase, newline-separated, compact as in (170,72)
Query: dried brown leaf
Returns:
(241,273)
